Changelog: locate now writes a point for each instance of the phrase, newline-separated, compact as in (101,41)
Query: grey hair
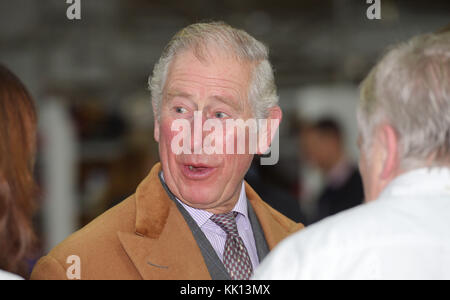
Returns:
(199,38)
(410,90)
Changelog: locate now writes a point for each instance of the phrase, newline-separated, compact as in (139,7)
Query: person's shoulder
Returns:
(347,226)
(9,276)
(100,234)
(341,232)
(96,247)
(311,251)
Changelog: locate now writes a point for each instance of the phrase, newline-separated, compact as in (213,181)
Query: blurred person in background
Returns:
(261,180)
(17,187)
(403,231)
(322,145)
(194,216)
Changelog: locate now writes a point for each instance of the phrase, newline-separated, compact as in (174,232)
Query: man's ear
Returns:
(389,140)
(273,122)
(156,129)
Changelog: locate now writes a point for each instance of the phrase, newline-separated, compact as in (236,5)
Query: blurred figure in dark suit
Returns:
(322,146)
(261,178)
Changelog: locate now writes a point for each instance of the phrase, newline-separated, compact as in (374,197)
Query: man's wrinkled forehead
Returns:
(209,49)
(226,78)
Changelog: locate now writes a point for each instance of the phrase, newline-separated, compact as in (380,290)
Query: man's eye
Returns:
(180,110)
(221,115)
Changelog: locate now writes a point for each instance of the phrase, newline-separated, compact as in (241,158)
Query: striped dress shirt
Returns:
(217,237)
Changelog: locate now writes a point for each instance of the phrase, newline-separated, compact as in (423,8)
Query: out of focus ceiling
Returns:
(116,42)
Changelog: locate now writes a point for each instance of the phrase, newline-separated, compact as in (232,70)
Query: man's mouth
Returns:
(197,171)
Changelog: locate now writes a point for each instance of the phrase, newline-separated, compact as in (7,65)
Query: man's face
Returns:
(217,88)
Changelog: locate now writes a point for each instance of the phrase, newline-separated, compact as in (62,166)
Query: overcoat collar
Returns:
(163,247)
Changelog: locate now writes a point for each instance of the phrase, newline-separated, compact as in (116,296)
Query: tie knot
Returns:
(227,222)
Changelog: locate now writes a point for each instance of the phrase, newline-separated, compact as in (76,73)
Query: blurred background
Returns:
(89,80)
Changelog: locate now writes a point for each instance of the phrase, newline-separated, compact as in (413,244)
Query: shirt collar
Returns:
(201,216)
(429,181)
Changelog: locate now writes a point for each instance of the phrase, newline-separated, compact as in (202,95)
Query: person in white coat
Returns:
(404,124)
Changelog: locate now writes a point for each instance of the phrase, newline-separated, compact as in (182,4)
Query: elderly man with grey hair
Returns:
(193,217)
(404,122)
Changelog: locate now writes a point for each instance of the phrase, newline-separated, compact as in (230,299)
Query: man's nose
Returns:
(197,133)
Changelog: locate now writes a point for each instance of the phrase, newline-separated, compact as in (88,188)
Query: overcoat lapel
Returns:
(163,246)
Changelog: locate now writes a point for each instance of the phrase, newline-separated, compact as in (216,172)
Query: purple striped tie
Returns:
(235,256)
